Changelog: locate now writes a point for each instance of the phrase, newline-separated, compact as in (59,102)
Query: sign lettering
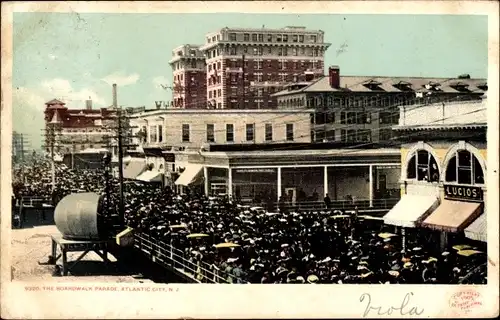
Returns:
(255,170)
(460,192)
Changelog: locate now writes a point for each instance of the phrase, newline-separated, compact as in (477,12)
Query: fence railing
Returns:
(168,256)
(35,201)
(361,204)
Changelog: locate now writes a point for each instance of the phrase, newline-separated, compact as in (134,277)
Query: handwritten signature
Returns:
(403,309)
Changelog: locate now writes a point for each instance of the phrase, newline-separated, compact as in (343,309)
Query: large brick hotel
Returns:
(242,68)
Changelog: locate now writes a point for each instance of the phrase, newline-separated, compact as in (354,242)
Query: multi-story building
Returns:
(189,77)
(194,129)
(245,66)
(443,172)
(76,130)
(362,109)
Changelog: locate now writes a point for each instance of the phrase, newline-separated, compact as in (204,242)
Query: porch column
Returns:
(371,185)
(325,181)
(230,182)
(205,179)
(279,184)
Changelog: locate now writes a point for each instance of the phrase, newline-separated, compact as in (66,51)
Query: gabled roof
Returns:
(54,101)
(388,84)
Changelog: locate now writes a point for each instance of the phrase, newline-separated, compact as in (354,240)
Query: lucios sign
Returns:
(459,192)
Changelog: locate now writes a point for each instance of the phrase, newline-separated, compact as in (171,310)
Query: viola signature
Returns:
(402,309)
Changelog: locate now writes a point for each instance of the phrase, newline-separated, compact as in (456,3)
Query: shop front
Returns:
(301,178)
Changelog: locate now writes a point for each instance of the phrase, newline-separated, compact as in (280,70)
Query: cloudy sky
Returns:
(76,56)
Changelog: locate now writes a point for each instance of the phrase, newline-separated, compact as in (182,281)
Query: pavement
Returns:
(32,245)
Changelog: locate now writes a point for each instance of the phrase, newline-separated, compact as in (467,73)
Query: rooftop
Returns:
(393,84)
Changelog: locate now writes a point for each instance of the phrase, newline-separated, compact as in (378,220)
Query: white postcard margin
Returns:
(245,301)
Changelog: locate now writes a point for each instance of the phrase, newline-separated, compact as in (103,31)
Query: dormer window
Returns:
(460,86)
(403,86)
(483,86)
(433,86)
(373,85)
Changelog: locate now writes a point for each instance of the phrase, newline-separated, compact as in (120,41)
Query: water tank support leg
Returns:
(65,261)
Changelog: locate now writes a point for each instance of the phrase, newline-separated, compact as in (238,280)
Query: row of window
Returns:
(259,37)
(354,117)
(282,64)
(463,168)
(265,50)
(155,134)
(249,132)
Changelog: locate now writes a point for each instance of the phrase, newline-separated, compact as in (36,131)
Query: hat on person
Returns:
(301,279)
(312,278)
(408,265)
(394,273)
(444,254)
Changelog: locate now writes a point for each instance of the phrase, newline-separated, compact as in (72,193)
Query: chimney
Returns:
(115,101)
(334,77)
(88,104)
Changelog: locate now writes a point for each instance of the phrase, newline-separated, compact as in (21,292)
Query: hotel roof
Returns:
(392,84)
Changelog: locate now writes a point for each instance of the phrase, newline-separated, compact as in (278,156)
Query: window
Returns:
(301,38)
(295,38)
(210,132)
(246,37)
(232,51)
(423,167)
(289,132)
(258,65)
(343,135)
(313,38)
(294,51)
(269,38)
(330,135)
(385,134)
(232,37)
(269,132)
(254,37)
(229,132)
(261,37)
(250,131)
(468,170)
(351,135)
(160,133)
(320,135)
(193,64)
(278,38)
(364,135)
(185,133)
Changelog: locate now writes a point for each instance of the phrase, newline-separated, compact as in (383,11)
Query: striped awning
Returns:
(189,175)
(478,229)
(453,216)
(411,210)
(134,168)
(150,176)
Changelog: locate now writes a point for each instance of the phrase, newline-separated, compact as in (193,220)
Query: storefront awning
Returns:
(189,175)
(477,229)
(453,216)
(134,168)
(150,176)
(411,210)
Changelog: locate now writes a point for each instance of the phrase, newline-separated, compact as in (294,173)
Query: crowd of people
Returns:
(323,246)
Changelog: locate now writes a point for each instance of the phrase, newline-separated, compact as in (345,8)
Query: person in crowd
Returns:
(328,201)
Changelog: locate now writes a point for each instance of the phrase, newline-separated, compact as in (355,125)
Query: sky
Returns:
(75,56)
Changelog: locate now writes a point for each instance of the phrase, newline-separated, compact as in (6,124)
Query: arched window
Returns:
(422,166)
(464,168)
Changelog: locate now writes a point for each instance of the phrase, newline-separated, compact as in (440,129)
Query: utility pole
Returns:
(120,166)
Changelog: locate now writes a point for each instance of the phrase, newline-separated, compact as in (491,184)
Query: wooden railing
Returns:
(175,259)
